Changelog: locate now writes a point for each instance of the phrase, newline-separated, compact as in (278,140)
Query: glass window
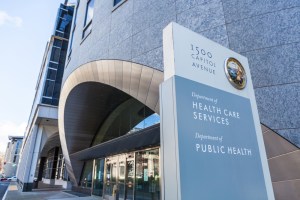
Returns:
(98,177)
(116,2)
(49,87)
(49,166)
(86,31)
(71,40)
(110,177)
(53,65)
(51,74)
(86,178)
(147,179)
(64,21)
(147,122)
(59,33)
(55,54)
(59,167)
(59,75)
(74,26)
(46,100)
(56,91)
(57,43)
(133,176)
(89,12)
(131,116)
(88,18)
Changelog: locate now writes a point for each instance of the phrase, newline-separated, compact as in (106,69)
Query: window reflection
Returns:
(117,2)
(133,176)
(88,18)
(98,177)
(86,178)
(129,117)
(147,122)
(147,180)
(89,12)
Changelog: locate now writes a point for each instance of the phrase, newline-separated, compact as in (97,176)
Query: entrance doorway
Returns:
(98,177)
(119,177)
(129,176)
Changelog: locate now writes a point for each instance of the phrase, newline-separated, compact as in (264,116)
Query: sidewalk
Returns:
(13,193)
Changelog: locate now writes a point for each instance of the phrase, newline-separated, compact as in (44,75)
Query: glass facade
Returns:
(147,179)
(86,177)
(57,55)
(50,164)
(129,117)
(128,176)
(98,177)
(64,21)
(55,72)
(53,165)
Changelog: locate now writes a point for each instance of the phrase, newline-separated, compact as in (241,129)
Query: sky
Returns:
(25,28)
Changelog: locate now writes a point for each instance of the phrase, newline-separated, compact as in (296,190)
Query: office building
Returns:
(12,155)
(41,156)
(116,57)
(108,113)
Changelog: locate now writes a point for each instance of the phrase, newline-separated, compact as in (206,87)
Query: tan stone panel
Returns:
(105,74)
(276,145)
(287,190)
(264,128)
(100,71)
(146,77)
(285,167)
(112,73)
(126,77)
(93,70)
(153,94)
(119,74)
(136,71)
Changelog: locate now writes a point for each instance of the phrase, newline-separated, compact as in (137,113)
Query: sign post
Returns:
(211,140)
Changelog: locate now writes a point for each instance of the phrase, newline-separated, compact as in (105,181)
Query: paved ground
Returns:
(3,187)
(13,193)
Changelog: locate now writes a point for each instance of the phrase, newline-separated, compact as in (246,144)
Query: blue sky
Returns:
(25,27)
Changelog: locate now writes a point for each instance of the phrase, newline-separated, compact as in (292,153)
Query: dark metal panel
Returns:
(145,138)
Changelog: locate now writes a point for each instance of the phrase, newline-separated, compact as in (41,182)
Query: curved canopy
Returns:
(91,93)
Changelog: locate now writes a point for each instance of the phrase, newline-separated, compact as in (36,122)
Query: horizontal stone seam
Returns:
(266,13)
(190,8)
(269,47)
(285,154)
(279,129)
(282,84)
(144,53)
(286,180)
(284,138)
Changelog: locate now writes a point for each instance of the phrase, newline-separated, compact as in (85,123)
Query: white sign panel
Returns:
(211,140)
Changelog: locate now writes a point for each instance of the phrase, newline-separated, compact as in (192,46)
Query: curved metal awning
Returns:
(91,92)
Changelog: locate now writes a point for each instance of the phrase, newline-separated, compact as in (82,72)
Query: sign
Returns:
(211,141)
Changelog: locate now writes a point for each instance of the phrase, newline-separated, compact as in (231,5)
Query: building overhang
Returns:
(46,115)
(146,138)
(91,92)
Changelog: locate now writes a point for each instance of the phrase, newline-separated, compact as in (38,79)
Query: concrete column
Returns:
(29,158)
(41,168)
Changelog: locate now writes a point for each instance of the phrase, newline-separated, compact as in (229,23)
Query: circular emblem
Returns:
(235,73)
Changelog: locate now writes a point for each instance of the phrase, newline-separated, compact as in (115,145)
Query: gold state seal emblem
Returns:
(235,73)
